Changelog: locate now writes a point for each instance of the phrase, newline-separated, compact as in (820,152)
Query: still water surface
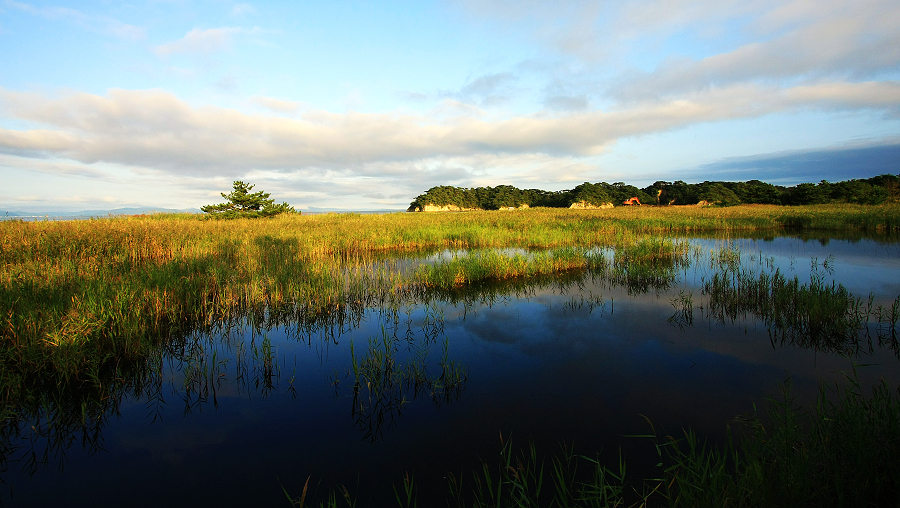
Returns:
(573,361)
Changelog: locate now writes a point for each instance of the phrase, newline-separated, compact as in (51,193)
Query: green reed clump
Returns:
(523,478)
(470,267)
(842,452)
(815,314)
(639,265)
(651,250)
(382,382)
(378,387)
(646,264)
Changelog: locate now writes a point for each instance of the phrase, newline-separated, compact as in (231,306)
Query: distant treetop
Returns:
(872,191)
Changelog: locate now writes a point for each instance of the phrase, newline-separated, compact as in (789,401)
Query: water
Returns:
(229,418)
(36,218)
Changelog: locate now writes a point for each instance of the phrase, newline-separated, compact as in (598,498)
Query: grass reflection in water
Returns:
(815,315)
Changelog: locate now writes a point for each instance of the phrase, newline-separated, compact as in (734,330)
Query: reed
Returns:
(816,315)
(81,296)
(97,301)
(470,267)
(383,383)
(840,452)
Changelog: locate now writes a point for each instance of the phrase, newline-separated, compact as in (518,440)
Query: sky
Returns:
(365,105)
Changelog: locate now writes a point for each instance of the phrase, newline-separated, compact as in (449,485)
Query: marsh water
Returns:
(432,386)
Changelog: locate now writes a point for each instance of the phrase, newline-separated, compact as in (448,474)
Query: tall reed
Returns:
(80,296)
(816,314)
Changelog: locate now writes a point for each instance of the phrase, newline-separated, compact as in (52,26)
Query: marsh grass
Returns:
(648,264)
(525,478)
(839,453)
(640,265)
(471,267)
(87,304)
(383,383)
(842,452)
(80,297)
(817,315)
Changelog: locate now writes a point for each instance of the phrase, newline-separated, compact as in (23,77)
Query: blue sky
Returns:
(364,105)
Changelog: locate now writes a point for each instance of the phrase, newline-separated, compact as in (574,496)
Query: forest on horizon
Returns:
(871,191)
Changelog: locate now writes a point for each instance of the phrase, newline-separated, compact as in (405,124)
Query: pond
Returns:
(434,385)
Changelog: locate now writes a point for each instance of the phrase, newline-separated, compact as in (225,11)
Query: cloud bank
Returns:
(835,164)
(157,130)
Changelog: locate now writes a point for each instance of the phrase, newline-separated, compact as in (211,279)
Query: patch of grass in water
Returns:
(472,267)
(816,314)
(382,382)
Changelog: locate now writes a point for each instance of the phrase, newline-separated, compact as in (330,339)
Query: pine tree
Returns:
(243,203)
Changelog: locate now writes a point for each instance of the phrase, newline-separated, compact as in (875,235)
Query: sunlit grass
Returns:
(78,295)
(478,266)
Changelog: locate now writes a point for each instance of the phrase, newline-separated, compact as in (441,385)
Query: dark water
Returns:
(232,416)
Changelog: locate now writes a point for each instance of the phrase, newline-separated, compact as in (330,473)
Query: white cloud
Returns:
(154,129)
(450,108)
(36,140)
(101,24)
(688,45)
(200,41)
(861,45)
(485,86)
(485,91)
(566,102)
(53,167)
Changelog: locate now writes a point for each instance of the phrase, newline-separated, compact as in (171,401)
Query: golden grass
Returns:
(80,294)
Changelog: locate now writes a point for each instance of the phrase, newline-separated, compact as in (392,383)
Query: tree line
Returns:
(869,191)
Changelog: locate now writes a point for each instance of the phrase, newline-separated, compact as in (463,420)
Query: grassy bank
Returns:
(81,296)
